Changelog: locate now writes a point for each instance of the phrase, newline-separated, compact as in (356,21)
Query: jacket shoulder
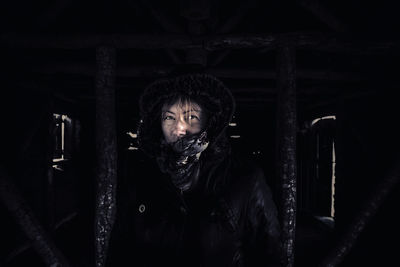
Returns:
(246,181)
(246,170)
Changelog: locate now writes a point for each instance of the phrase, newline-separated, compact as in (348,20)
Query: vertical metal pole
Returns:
(286,147)
(106,150)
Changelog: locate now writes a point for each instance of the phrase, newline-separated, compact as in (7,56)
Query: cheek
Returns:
(195,128)
(165,128)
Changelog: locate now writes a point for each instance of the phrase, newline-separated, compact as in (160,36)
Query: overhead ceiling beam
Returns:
(316,8)
(51,14)
(241,11)
(167,24)
(237,16)
(160,71)
(82,90)
(312,41)
(164,20)
(196,13)
(195,10)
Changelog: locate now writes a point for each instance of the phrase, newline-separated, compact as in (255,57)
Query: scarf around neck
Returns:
(181,159)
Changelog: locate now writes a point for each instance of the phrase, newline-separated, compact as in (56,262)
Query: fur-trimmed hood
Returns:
(204,89)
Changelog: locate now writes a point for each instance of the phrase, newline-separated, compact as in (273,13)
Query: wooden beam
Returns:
(220,57)
(316,8)
(337,100)
(26,219)
(195,10)
(286,148)
(84,41)
(310,41)
(106,148)
(241,11)
(161,71)
(165,21)
(28,244)
(364,215)
(196,56)
(167,24)
(237,16)
(50,15)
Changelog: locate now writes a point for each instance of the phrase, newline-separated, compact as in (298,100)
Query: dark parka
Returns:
(228,219)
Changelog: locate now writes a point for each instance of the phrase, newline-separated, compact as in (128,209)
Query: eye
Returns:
(193,117)
(168,117)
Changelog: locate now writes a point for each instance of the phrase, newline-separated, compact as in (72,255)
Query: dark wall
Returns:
(367,144)
(367,150)
(61,202)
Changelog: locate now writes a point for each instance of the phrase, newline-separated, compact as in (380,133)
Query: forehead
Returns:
(182,105)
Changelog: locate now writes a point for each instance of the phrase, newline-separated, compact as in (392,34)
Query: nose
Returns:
(180,128)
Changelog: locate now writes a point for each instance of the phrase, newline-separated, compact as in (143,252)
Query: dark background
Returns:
(346,61)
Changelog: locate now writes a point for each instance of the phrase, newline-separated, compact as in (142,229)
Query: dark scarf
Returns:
(181,159)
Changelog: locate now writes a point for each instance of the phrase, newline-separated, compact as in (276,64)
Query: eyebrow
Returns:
(187,111)
(196,110)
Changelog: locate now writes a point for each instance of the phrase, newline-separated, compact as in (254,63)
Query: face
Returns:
(181,119)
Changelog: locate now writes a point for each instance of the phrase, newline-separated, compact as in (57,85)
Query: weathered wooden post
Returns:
(26,219)
(286,147)
(195,12)
(106,150)
(367,211)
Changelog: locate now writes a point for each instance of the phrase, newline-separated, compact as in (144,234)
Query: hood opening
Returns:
(205,90)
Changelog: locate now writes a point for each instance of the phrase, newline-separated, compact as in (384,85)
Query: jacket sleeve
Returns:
(263,232)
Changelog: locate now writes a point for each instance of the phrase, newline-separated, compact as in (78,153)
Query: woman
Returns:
(196,203)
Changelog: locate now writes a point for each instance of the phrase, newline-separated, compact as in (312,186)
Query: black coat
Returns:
(231,221)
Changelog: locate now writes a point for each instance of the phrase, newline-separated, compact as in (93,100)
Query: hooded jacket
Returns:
(228,219)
